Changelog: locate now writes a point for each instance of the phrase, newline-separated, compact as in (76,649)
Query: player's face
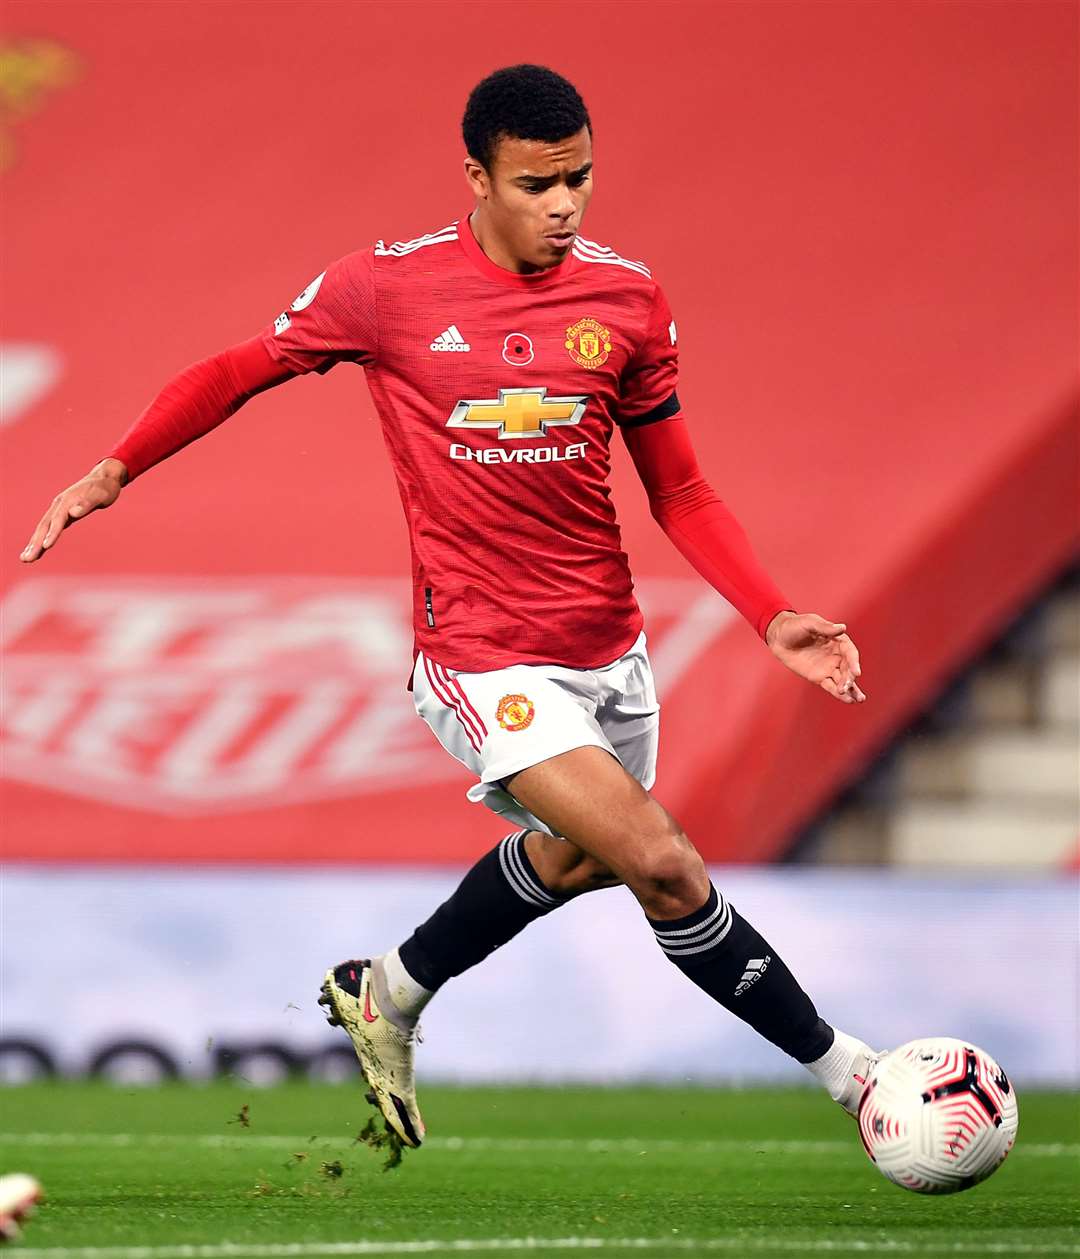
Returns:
(533,199)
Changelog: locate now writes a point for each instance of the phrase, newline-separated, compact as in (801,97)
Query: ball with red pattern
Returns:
(937,1115)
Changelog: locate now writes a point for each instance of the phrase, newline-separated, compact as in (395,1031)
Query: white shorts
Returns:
(499,723)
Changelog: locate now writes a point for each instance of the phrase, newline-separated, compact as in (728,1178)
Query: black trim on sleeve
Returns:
(669,407)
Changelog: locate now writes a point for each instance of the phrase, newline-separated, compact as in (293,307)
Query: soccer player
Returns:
(502,351)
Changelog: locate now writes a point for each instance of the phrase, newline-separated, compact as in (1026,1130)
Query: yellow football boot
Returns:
(384,1041)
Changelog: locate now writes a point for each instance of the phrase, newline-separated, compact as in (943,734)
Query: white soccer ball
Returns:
(937,1115)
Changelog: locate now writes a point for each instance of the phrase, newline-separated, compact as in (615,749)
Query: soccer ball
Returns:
(937,1115)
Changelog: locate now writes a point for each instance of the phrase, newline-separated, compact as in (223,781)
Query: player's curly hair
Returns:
(527,102)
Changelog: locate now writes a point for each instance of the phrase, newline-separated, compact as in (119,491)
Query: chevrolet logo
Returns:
(519,412)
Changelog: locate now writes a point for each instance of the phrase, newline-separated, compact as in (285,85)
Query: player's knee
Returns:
(669,876)
(667,869)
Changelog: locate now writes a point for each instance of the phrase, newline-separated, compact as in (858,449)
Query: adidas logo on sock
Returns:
(755,968)
(451,341)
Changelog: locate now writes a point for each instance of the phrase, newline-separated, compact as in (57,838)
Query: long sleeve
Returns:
(698,523)
(196,401)
(332,321)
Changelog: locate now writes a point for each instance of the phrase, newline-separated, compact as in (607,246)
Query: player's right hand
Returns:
(99,488)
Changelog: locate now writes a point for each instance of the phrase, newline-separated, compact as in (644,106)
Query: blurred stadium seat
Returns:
(991,776)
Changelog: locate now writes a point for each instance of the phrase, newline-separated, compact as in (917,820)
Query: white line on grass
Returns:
(743,1245)
(501,1145)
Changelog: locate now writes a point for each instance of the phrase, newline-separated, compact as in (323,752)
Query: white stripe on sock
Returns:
(524,866)
(525,880)
(513,878)
(700,944)
(687,935)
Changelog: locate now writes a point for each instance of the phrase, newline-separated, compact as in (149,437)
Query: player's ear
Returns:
(477,178)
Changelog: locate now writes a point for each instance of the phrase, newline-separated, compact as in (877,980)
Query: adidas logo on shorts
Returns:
(755,968)
(451,341)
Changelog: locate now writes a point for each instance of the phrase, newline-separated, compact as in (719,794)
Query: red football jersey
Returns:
(498,395)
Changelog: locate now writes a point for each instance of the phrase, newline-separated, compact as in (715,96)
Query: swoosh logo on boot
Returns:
(368,1016)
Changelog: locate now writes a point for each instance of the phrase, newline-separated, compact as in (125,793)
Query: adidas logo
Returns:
(755,968)
(451,341)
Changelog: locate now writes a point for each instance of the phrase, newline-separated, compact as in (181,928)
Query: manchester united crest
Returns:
(515,712)
(589,343)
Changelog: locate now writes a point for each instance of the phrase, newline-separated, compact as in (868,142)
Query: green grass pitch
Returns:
(225,1170)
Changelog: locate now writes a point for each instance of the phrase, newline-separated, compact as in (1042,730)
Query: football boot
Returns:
(357,1000)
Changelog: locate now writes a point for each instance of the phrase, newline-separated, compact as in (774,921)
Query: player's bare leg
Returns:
(564,868)
(589,797)
(615,832)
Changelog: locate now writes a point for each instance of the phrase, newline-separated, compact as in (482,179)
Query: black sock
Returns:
(499,896)
(723,954)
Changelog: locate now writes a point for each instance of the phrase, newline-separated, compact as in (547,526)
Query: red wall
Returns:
(864,216)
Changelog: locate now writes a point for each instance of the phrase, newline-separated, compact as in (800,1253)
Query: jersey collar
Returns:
(513,279)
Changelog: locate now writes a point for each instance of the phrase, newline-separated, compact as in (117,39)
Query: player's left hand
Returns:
(819,651)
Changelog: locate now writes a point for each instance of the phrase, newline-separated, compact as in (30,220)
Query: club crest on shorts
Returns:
(589,343)
(515,712)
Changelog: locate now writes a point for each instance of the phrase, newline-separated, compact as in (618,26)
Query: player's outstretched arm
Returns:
(192,404)
(703,529)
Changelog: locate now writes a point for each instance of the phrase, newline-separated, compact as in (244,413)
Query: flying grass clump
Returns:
(386,1140)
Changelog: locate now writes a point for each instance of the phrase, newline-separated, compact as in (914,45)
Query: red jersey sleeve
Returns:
(699,524)
(196,401)
(647,389)
(332,321)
